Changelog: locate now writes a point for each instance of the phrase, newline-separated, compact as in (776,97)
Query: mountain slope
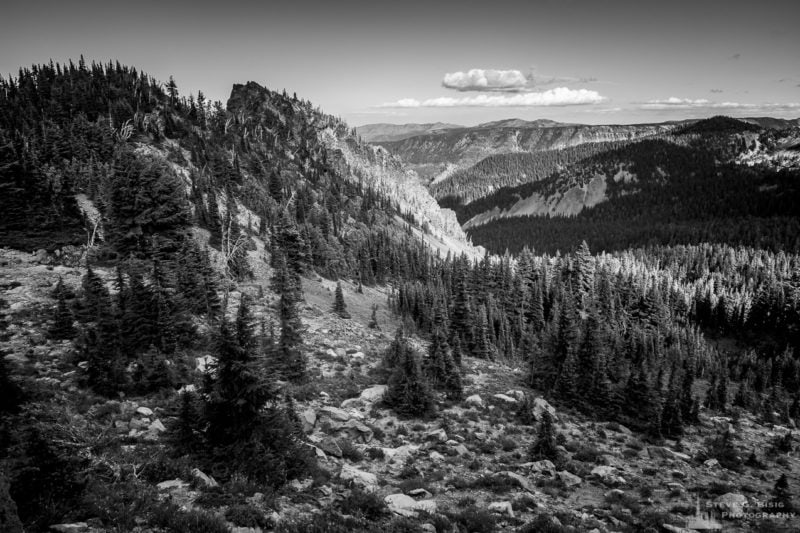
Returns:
(397,132)
(708,182)
(433,154)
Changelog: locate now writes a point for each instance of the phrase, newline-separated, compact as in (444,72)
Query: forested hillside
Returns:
(691,189)
(217,318)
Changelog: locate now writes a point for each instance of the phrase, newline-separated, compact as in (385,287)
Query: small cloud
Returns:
(702,103)
(537,80)
(560,96)
(717,91)
(478,79)
(735,57)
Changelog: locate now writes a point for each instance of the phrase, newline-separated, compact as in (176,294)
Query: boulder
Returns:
(540,405)
(354,430)
(569,479)
(420,494)
(502,508)
(505,399)
(460,449)
(711,463)
(77,527)
(308,419)
(438,435)
(407,506)
(359,478)
(401,453)
(204,479)
(172,484)
(475,401)
(608,475)
(542,467)
(732,502)
(330,447)
(334,413)
(205,363)
(157,426)
(516,394)
(352,403)
(524,482)
(144,411)
(436,457)
(374,393)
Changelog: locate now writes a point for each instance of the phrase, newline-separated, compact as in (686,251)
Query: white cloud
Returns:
(702,103)
(560,96)
(478,79)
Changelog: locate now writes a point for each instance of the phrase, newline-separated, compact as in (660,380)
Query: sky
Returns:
(464,62)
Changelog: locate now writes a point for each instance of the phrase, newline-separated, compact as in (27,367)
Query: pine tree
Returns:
(292,360)
(63,320)
(544,446)
(782,496)
(339,307)
(408,391)
(373,319)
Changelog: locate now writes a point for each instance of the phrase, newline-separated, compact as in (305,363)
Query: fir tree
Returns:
(292,360)
(408,391)
(63,320)
(544,446)
(373,319)
(339,307)
(782,496)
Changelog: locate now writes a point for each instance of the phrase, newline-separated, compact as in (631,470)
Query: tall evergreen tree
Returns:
(339,306)
(63,321)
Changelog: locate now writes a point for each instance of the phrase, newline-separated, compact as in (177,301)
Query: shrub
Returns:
(588,454)
(543,523)
(363,504)
(473,519)
(507,444)
(244,515)
(170,517)
(415,483)
(375,453)
(401,524)
(119,504)
(326,522)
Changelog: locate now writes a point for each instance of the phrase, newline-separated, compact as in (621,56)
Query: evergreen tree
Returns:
(782,496)
(62,327)
(373,319)
(408,393)
(292,360)
(339,307)
(544,446)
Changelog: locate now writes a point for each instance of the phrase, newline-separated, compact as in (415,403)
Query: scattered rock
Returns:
(504,398)
(407,506)
(502,508)
(157,426)
(334,413)
(77,527)
(542,467)
(711,463)
(436,457)
(172,484)
(330,447)
(144,411)
(460,449)
(308,419)
(205,363)
(438,435)
(524,482)
(516,394)
(374,393)
(420,494)
(365,480)
(608,475)
(475,400)
(204,479)
(540,405)
(732,502)
(569,479)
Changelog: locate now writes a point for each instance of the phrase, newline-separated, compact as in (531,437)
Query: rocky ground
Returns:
(468,463)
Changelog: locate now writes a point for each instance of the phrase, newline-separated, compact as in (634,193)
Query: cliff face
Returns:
(430,154)
(387,175)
